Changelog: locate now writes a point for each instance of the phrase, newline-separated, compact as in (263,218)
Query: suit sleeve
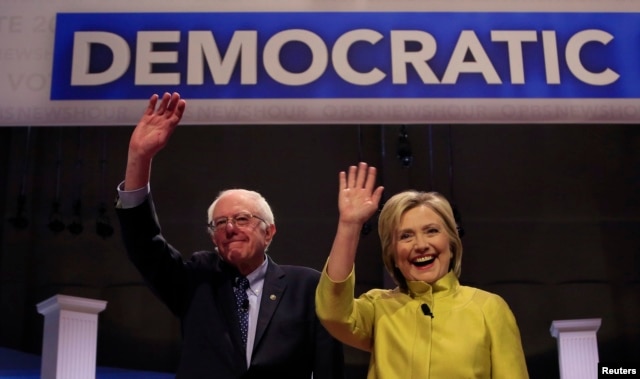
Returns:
(160,264)
(328,352)
(329,355)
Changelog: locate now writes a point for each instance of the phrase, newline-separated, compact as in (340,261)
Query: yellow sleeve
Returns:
(348,320)
(507,356)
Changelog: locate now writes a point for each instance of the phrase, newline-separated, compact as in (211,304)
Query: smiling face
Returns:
(241,246)
(422,245)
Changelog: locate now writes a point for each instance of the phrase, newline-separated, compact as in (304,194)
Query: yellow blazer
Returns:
(472,334)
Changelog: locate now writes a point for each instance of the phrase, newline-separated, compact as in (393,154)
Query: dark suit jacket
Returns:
(289,343)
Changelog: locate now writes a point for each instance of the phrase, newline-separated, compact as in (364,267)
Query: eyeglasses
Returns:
(240,220)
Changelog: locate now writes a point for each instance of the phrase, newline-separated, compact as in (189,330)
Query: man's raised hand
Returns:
(156,125)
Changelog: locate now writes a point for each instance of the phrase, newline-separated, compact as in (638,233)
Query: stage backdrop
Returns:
(90,62)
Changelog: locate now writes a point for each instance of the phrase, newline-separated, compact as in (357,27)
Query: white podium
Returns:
(70,337)
(577,347)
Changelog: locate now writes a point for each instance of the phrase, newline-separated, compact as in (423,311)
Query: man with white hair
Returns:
(242,315)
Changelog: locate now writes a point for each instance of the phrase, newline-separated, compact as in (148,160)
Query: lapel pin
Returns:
(272,297)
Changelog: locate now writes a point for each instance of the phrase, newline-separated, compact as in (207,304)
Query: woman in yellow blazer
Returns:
(430,326)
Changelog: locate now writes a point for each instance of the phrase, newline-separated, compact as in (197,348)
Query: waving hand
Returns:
(157,124)
(357,199)
(357,202)
(150,135)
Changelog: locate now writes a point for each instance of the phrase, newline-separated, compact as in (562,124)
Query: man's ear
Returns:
(269,232)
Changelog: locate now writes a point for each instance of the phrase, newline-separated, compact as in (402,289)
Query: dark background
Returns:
(551,215)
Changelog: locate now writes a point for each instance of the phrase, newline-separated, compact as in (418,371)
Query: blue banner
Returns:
(347,55)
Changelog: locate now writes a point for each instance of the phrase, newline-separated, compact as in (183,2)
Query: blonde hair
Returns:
(389,220)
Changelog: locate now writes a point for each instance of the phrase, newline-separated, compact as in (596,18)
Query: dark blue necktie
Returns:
(242,306)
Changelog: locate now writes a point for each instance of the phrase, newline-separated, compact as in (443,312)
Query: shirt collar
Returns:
(256,278)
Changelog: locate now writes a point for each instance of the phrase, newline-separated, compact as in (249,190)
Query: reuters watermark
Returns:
(612,369)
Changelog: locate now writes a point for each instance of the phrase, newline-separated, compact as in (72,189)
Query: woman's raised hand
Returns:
(357,198)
